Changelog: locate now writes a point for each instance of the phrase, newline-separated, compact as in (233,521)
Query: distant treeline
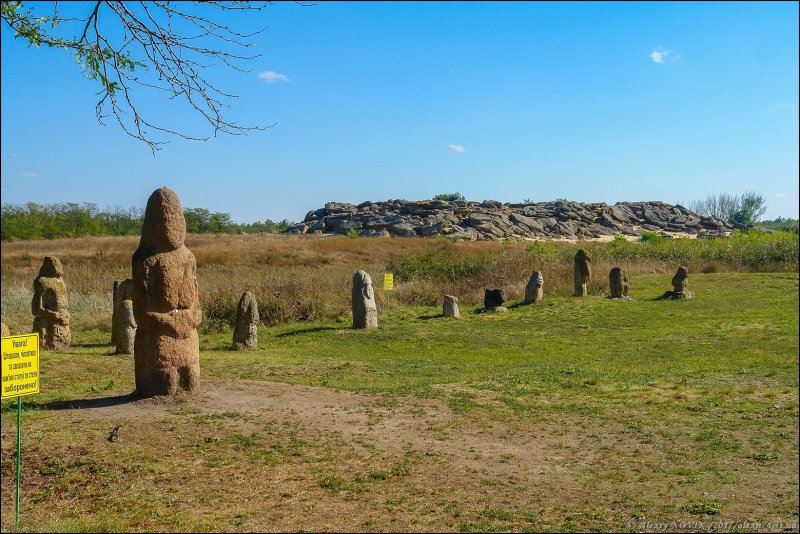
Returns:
(50,221)
(781,223)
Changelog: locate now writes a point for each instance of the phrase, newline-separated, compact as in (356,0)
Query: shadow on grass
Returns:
(309,331)
(429,317)
(78,404)
(517,305)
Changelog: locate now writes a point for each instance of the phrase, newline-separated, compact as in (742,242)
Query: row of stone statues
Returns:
(50,308)
(156,312)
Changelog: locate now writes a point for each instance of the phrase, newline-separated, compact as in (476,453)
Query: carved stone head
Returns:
(51,268)
(363,282)
(164,226)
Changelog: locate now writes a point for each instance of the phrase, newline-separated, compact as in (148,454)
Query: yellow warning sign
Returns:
(20,365)
(388,282)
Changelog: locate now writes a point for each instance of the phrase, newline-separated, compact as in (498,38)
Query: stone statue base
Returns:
(677,295)
(496,309)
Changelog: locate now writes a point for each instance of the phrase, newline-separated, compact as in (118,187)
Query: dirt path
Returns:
(265,456)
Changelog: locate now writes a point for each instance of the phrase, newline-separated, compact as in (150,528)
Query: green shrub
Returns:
(449,196)
(651,237)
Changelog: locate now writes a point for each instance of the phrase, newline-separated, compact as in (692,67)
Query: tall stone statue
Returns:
(583,272)
(534,290)
(49,306)
(679,283)
(123,323)
(450,306)
(245,331)
(165,301)
(365,312)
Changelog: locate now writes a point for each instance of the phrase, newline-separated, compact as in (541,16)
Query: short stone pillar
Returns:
(534,290)
(4,330)
(618,284)
(245,330)
(365,311)
(50,307)
(165,301)
(450,306)
(123,324)
(583,272)
(679,283)
(493,299)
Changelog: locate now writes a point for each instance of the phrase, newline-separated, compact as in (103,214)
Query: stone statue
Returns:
(114,302)
(49,306)
(679,283)
(365,312)
(245,331)
(450,308)
(123,324)
(618,282)
(583,272)
(493,299)
(165,301)
(534,290)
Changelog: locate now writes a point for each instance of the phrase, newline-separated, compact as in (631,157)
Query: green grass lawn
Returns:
(693,405)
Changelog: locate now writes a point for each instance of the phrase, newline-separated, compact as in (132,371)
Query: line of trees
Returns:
(72,219)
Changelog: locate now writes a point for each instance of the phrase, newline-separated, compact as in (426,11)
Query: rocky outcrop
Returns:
(493,220)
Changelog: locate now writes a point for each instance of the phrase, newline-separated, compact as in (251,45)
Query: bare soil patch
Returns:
(263,456)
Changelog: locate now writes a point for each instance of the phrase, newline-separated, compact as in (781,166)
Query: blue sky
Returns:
(594,102)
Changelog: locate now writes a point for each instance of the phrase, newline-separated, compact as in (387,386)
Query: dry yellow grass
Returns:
(302,277)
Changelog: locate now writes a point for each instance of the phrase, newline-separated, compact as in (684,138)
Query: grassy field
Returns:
(307,278)
(573,414)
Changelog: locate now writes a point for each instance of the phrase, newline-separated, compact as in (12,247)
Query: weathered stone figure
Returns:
(365,312)
(123,324)
(583,272)
(165,302)
(618,283)
(114,304)
(534,290)
(494,297)
(4,331)
(245,331)
(679,283)
(49,306)
(450,308)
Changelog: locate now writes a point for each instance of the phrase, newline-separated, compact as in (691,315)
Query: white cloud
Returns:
(664,55)
(270,76)
(784,105)
(457,148)
(30,174)
(781,195)
(658,55)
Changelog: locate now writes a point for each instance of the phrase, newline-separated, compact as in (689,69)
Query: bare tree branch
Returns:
(174,44)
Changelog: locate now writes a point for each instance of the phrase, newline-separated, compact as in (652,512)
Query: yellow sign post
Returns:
(20,374)
(20,365)
(388,285)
